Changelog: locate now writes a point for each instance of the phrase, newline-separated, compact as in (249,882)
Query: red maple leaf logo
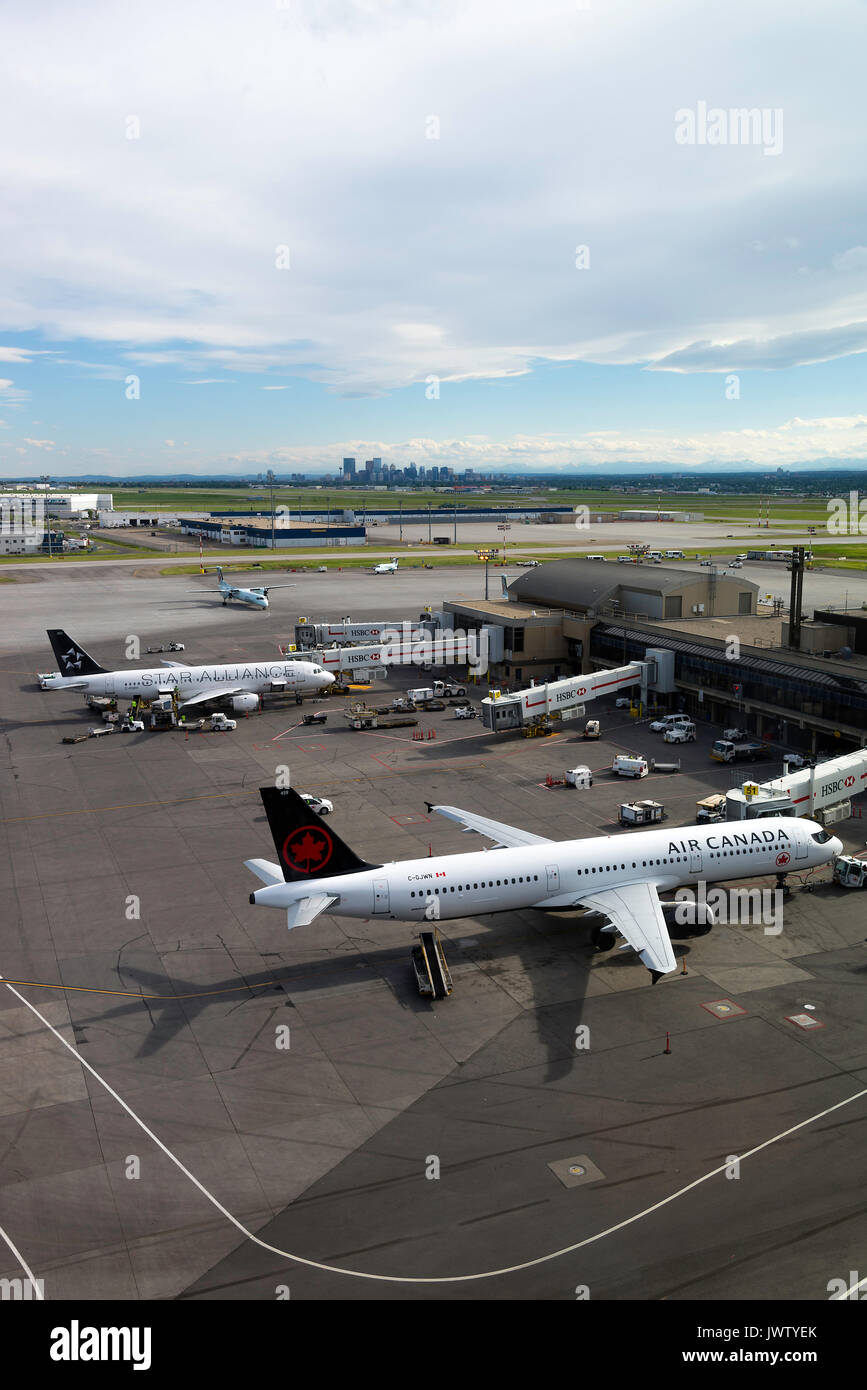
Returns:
(783,858)
(308,849)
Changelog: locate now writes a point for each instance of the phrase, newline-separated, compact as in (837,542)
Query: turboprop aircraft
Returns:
(620,877)
(242,682)
(256,597)
(389,568)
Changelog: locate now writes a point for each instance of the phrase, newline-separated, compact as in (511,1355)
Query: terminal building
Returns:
(571,617)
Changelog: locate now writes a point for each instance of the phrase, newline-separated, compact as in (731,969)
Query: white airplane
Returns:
(256,597)
(620,877)
(389,568)
(242,682)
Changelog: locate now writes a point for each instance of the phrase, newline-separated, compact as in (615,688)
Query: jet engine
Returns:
(686,919)
(240,703)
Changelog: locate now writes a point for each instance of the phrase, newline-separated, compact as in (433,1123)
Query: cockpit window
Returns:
(821,837)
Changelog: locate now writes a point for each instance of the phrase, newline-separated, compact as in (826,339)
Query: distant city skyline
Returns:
(577,236)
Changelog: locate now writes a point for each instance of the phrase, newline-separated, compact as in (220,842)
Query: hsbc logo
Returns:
(849,782)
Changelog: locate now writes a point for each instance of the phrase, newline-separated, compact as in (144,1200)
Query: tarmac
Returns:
(194,1102)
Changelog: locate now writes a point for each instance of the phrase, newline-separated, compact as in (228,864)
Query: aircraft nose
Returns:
(329,679)
(836,847)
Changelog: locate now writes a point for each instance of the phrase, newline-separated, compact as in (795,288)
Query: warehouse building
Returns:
(240,531)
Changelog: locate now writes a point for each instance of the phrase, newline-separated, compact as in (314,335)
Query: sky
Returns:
(484,234)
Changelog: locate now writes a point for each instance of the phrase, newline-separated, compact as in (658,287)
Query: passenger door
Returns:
(380,895)
(553,873)
(695,861)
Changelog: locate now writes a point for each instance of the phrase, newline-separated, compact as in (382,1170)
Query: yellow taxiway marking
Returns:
(135,994)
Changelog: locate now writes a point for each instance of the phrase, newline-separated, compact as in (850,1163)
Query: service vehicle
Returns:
(674,555)
(320,804)
(798,759)
(850,872)
(711,808)
(736,735)
(419,696)
(526,564)
(641,813)
(669,721)
(441,688)
(679,733)
(742,556)
(630,765)
(737,564)
(102,729)
(595,557)
(592,729)
(168,647)
(725,751)
(132,726)
(623,702)
(465,712)
(319,717)
(218,723)
(580,776)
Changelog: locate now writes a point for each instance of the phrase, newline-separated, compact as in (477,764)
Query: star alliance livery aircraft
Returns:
(242,683)
(620,877)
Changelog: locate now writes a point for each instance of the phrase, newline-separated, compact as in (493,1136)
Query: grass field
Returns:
(738,508)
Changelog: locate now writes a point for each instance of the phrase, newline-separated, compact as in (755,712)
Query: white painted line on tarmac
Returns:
(34,1282)
(421,1279)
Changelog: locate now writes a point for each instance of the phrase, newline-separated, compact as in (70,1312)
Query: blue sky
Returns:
(466,234)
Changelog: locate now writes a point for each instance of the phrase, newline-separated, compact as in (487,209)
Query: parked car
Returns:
(623,702)
(669,721)
(735,735)
(320,804)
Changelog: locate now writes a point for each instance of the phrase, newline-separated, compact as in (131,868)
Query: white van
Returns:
(674,555)
(669,721)
(630,765)
(594,557)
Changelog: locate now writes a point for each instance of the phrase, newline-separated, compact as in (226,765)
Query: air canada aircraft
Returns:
(618,877)
(386,568)
(256,597)
(241,683)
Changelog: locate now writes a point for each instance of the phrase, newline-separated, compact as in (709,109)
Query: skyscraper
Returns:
(349,469)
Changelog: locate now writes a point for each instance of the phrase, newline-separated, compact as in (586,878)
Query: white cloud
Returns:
(40,443)
(306,126)
(853,259)
(819,440)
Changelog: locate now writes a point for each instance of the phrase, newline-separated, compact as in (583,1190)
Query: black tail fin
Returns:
(306,847)
(72,659)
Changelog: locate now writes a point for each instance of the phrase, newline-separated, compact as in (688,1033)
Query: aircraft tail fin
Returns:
(220,573)
(306,847)
(72,659)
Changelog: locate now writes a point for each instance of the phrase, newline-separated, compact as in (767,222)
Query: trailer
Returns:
(429,964)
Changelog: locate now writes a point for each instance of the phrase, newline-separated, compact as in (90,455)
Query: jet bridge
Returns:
(823,792)
(563,699)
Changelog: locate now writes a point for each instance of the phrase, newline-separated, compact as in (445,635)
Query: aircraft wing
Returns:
(171,663)
(216,692)
(266,588)
(636,912)
(506,836)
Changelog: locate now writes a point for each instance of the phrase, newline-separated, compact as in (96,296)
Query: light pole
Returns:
(270,480)
(504,526)
(485,555)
